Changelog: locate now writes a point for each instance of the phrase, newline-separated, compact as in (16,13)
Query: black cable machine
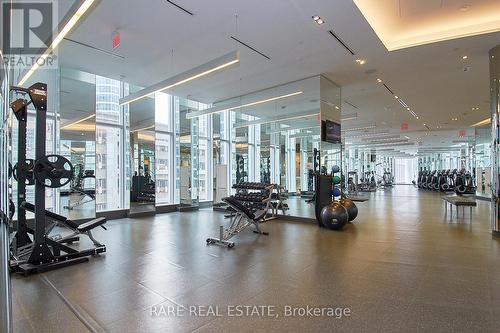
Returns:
(42,252)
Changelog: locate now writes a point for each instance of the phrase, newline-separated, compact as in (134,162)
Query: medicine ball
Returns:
(336,180)
(336,192)
(334,216)
(352,210)
(335,168)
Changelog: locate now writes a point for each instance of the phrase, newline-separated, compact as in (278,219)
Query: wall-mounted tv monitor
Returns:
(330,131)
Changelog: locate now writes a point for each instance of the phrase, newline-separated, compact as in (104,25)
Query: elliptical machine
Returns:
(464,184)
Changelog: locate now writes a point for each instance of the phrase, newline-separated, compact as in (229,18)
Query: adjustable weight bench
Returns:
(77,228)
(239,222)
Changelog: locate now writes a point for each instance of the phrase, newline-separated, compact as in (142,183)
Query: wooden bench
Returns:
(458,201)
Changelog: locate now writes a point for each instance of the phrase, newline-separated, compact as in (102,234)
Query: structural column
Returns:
(494,55)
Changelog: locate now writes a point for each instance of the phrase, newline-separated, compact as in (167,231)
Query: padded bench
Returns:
(77,228)
(243,218)
(458,201)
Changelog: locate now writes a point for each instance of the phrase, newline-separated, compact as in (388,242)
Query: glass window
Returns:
(110,180)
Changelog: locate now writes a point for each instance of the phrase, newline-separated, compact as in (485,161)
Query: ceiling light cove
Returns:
(361,61)
(404,24)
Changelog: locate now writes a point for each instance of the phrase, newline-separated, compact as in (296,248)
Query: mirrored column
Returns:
(495,135)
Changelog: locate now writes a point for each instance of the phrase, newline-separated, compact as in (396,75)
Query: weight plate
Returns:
(30,164)
(53,171)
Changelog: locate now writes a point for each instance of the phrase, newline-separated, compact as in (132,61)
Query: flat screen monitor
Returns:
(331,131)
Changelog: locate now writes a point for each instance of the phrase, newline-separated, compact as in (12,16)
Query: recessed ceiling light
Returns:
(361,61)
(465,57)
(396,97)
(408,109)
(318,19)
(379,80)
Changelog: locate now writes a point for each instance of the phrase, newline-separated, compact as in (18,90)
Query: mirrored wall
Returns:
(77,143)
(142,155)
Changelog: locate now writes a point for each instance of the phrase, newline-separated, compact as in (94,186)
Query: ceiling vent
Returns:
(344,45)
(250,47)
(180,7)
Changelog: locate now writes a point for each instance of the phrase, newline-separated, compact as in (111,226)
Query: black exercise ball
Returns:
(352,210)
(334,216)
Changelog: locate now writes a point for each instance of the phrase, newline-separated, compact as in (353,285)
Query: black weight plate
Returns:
(30,164)
(53,171)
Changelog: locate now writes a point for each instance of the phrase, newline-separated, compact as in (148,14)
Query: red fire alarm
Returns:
(115,39)
(404,126)
(461,133)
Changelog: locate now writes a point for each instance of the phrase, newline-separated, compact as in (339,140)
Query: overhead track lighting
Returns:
(291,128)
(380,138)
(68,26)
(359,128)
(236,106)
(210,67)
(350,116)
(357,136)
(78,121)
(304,135)
(482,123)
(143,129)
(264,121)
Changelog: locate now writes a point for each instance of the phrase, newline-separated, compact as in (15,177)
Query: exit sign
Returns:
(115,39)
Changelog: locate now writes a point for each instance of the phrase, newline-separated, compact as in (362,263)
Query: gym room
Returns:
(244,166)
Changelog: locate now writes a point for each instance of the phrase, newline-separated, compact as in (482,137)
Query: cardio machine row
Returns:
(458,181)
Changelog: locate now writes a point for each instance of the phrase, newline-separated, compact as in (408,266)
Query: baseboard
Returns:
(296,219)
(206,204)
(166,209)
(113,214)
(187,208)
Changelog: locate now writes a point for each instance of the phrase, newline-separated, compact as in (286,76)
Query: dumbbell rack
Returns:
(271,200)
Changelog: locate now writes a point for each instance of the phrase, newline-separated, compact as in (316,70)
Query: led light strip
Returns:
(60,36)
(142,129)
(78,121)
(275,120)
(210,67)
(366,135)
(400,100)
(286,129)
(482,123)
(216,110)
(359,128)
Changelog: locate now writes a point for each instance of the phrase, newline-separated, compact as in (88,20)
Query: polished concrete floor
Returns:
(403,266)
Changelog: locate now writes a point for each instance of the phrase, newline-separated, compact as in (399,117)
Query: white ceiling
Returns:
(159,40)
(406,23)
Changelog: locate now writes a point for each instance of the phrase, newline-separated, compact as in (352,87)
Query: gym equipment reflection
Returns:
(77,143)
(142,156)
(189,166)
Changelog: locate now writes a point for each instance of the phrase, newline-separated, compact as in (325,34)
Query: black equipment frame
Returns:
(46,254)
